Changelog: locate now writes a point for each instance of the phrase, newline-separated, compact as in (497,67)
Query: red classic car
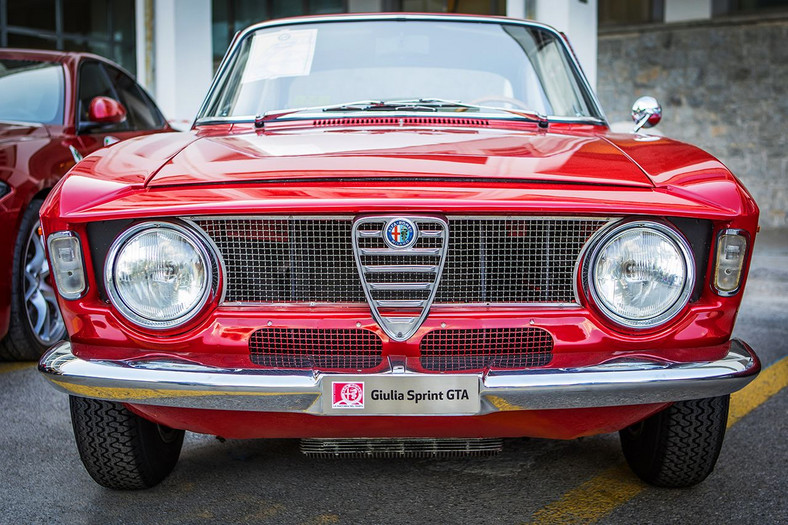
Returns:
(55,108)
(393,235)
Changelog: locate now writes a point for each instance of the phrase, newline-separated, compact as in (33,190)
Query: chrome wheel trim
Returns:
(41,310)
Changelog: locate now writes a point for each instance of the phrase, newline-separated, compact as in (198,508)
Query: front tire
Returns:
(121,450)
(679,446)
(36,323)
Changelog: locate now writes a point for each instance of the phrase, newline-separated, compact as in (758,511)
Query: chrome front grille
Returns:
(490,260)
(286,260)
(399,291)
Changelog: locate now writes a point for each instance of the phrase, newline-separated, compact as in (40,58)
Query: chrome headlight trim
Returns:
(203,249)
(670,234)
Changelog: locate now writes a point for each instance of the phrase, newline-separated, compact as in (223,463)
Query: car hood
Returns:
(402,154)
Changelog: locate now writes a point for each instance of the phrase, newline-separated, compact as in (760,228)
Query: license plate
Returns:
(400,394)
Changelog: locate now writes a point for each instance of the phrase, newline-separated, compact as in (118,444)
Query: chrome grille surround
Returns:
(399,292)
(308,260)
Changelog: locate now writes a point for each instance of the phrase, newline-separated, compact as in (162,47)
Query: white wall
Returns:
(183,57)
(365,6)
(681,10)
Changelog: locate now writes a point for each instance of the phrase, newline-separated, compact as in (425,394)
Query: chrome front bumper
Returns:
(187,385)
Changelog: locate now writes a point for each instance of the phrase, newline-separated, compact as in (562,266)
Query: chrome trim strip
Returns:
(188,385)
(392,268)
(400,303)
(404,251)
(435,306)
(400,286)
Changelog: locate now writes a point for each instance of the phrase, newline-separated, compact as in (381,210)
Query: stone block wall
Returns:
(723,86)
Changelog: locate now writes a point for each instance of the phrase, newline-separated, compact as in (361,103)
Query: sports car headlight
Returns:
(641,274)
(158,275)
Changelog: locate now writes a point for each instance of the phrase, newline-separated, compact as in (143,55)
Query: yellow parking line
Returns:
(10,367)
(769,382)
(593,499)
(603,493)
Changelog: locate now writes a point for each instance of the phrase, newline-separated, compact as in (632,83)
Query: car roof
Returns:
(48,55)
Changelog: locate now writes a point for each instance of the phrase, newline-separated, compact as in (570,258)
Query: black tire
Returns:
(679,446)
(121,450)
(35,323)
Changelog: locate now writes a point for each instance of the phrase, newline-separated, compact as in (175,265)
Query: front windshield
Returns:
(31,91)
(321,64)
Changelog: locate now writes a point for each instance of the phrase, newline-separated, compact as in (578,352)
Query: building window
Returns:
(735,7)
(630,12)
(103,27)
(230,16)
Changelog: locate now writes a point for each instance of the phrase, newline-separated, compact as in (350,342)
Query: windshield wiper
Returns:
(421,104)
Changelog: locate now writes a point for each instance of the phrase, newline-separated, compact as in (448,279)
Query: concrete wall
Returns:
(723,86)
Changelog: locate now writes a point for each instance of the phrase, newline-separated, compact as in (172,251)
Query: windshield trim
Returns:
(249,119)
(596,108)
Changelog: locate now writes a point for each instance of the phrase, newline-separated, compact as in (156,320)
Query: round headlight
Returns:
(158,275)
(641,274)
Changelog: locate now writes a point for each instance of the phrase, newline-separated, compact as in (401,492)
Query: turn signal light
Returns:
(731,254)
(65,254)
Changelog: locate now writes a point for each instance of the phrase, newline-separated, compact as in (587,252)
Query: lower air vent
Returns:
(400,448)
(352,349)
(452,350)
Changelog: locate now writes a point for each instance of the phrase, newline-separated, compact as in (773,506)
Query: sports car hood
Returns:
(410,153)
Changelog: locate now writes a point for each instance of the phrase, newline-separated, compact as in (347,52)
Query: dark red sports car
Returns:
(55,108)
(400,234)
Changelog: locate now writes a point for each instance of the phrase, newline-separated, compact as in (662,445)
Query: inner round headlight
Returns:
(641,274)
(158,275)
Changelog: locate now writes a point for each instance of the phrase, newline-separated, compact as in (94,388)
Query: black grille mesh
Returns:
(452,350)
(489,260)
(355,349)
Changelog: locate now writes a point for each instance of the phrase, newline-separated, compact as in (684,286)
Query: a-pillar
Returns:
(576,18)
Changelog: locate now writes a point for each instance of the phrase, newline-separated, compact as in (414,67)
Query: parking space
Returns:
(533,480)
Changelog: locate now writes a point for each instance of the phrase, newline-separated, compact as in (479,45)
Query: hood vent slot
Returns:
(402,121)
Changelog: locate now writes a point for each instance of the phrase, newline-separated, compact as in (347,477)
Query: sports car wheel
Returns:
(121,450)
(36,323)
(679,446)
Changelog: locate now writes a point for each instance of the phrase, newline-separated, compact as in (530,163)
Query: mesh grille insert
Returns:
(490,260)
(451,350)
(355,349)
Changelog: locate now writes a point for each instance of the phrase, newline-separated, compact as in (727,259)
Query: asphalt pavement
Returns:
(533,480)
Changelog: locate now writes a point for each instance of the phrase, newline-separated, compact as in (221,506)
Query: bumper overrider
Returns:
(398,391)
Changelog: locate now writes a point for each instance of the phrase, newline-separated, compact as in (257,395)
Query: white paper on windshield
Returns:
(281,54)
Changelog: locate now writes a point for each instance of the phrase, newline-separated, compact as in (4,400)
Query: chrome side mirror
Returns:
(646,112)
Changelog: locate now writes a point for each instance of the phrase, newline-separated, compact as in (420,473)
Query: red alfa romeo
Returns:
(393,235)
